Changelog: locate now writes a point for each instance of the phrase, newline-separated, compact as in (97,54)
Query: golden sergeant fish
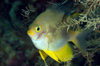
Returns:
(53,42)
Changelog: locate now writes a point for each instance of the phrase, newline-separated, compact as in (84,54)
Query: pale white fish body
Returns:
(43,43)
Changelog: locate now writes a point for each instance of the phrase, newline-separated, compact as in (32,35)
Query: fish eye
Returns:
(38,29)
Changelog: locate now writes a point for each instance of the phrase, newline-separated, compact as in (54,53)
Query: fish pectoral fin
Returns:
(43,55)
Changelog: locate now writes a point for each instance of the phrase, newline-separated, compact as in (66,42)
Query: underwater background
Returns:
(16,48)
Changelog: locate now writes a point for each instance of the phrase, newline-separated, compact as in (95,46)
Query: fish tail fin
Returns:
(80,40)
(82,48)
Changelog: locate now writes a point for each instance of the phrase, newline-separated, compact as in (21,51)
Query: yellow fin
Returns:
(63,54)
(76,43)
(43,55)
(74,39)
(51,54)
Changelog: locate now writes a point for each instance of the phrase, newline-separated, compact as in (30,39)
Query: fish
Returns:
(54,42)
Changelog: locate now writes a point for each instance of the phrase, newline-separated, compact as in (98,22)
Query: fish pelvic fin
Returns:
(43,55)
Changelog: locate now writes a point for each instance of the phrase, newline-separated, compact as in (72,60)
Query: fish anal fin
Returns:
(65,53)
